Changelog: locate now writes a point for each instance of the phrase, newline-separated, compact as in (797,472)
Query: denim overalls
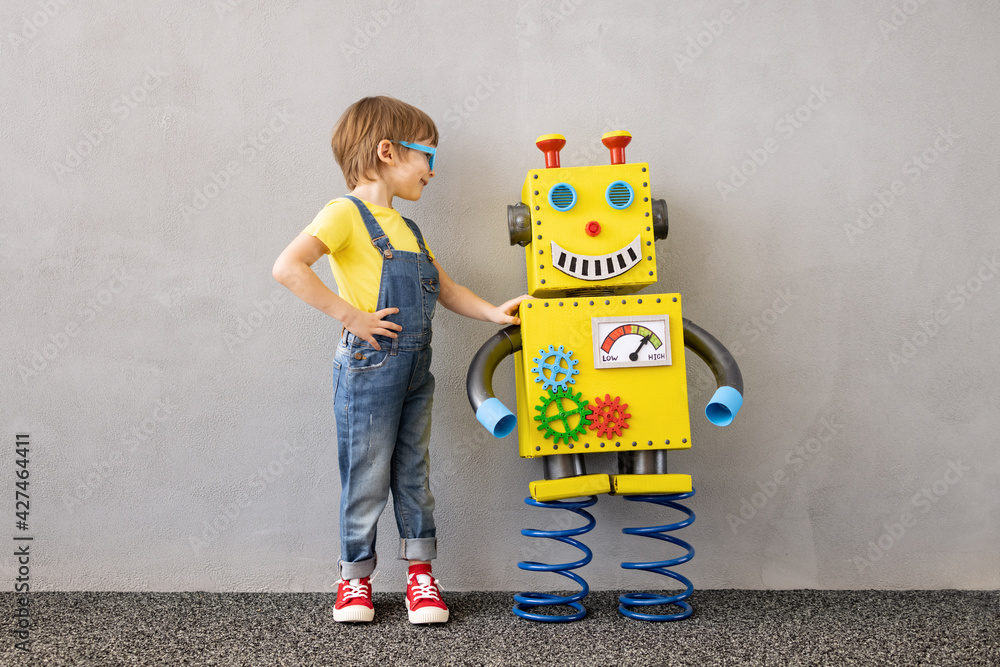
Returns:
(382,402)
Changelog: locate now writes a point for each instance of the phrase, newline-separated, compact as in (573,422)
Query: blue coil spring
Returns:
(662,566)
(530,599)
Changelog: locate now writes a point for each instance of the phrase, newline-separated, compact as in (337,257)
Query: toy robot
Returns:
(599,368)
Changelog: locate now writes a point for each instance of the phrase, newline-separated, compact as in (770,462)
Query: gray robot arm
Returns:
(728,398)
(490,412)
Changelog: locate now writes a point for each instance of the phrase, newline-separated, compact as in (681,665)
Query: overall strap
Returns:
(378,237)
(420,237)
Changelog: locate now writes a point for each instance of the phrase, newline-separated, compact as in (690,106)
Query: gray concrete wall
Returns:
(158,157)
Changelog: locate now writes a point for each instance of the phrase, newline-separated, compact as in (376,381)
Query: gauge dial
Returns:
(629,342)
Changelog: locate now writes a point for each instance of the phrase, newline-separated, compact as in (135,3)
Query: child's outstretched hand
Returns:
(366,325)
(506,313)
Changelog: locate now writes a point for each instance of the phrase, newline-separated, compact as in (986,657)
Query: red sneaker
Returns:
(354,601)
(423,596)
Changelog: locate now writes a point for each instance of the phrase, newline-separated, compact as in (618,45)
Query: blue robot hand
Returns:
(495,416)
(725,403)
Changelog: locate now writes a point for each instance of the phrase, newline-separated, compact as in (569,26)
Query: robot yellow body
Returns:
(599,367)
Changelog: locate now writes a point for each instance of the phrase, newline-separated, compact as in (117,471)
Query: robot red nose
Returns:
(593,228)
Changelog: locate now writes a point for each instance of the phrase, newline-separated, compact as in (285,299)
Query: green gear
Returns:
(581,408)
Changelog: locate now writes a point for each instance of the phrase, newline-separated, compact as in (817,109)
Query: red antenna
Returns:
(616,141)
(551,144)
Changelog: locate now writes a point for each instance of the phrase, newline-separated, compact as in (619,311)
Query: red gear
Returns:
(608,415)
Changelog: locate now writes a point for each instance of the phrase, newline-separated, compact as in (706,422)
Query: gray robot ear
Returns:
(659,218)
(519,224)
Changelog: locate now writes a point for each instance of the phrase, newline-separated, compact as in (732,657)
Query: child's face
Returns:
(410,173)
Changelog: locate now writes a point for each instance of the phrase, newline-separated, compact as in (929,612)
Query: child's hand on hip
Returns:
(367,325)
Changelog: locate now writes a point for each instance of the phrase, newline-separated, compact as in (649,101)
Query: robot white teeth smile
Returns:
(609,374)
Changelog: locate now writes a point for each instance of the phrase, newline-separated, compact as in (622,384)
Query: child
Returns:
(382,386)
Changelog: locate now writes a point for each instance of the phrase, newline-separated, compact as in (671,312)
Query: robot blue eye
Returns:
(619,195)
(562,197)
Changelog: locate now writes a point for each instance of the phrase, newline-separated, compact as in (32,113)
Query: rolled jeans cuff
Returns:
(358,570)
(418,548)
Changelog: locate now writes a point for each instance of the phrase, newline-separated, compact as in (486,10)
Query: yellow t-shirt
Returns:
(355,262)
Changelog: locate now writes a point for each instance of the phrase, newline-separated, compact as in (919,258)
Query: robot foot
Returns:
(630,485)
(546,490)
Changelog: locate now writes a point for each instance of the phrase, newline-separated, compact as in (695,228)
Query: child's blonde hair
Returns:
(367,122)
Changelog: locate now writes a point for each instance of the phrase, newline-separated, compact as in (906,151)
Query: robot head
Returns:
(588,228)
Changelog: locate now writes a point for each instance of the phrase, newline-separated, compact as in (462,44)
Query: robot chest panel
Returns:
(598,374)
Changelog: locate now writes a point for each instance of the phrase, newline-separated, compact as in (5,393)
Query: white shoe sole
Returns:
(353,614)
(426,615)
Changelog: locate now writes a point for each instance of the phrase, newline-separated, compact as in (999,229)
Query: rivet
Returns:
(643,199)
(607,302)
(586,445)
(543,281)
(529,305)
(657,299)
(591,303)
(618,444)
(538,449)
(644,169)
(640,300)
(359,356)
(645,184)
(539,208)
(541,266)
(571,446)
(623,300)
(535,176)
(555,446)
(602,444)
(633,444)
(675,299)
(647,212)
(560,303)
(575,303)
(539,237)
(546,304)
(668,442)
(650,443)
(536,192)
(684,439)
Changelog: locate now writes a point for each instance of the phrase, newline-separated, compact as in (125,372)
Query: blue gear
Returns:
(562,364)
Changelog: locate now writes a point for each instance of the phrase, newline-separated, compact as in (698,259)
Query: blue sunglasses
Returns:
(431,152)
